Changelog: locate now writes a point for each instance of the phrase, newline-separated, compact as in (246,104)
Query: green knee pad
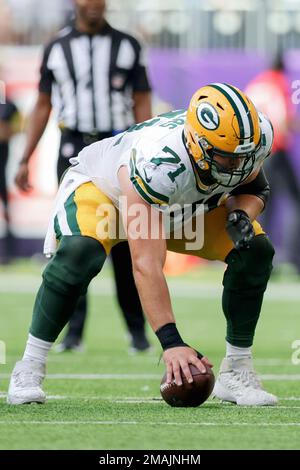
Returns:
(245,281)
(77,260)
(250,268)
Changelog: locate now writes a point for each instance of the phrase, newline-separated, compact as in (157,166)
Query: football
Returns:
(188,394)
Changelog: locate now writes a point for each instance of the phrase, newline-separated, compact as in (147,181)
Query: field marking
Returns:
(273,362)
(155,400)
(147,357)
(279,377)
(268,377)
(143,397)
(146,423)
(49,397)
(67,358)
(290,398)
(178,288)
(97,376)
(136,401)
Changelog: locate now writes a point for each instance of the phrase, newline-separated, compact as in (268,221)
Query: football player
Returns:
(212,156)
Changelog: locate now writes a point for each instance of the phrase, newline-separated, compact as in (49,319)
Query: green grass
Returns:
(127,413)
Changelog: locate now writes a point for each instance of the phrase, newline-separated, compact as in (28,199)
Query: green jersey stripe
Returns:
(57,228)
(71,212)
(151,191)
(142,192)
(137,186)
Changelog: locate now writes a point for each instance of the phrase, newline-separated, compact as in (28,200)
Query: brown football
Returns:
(188,394)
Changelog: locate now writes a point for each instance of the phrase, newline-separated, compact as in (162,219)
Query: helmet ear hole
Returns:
(220,106)
(202,97)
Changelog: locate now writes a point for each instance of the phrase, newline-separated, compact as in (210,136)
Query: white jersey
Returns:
(158,163)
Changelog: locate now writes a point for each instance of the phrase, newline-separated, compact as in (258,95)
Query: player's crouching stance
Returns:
(212,154)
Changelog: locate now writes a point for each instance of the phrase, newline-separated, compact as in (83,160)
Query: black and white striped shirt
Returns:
(91,78)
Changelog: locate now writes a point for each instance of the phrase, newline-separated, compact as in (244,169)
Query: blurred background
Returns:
(188,43)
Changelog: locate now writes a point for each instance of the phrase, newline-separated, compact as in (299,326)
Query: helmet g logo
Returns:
(208,116)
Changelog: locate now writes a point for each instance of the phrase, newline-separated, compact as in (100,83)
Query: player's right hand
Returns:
(240,228)
(178,359)
(22,177)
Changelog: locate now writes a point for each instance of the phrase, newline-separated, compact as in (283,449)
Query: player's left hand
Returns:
(177,361)
(240,228)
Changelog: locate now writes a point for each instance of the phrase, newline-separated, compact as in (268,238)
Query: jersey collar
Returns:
(103,31)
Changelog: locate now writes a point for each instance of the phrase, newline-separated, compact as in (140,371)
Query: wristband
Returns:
(169,336)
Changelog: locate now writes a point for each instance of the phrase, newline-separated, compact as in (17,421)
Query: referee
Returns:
(9,125)
(93,77)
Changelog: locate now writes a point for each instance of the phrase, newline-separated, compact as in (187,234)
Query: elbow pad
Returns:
(258,187)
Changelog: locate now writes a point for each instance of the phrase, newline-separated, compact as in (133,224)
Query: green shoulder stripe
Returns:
(137,186)
(142,192)
(134,172)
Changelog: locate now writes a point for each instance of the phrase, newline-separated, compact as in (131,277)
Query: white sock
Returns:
(36,349)
(236,351)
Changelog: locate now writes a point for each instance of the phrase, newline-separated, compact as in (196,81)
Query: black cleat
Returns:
(139,342)
(70,344)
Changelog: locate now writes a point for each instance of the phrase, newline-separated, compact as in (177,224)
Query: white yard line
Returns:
(271,377)
(27,283)
(75,357)
(147,357)
(97,376)
(280,377)
(98,397)
(290,398)
(151,400)
(273,362)
(151,357)
(50,397)
(146,423)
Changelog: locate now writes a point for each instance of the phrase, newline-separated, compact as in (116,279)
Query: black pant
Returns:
(71,144)
(3,182)
(8,238)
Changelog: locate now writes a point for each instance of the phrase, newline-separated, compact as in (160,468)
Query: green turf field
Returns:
(107,399)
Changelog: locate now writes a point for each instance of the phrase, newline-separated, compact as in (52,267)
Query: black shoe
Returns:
(70,344)
(138,342)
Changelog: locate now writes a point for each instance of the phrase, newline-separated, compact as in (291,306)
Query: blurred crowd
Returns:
(26,21)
